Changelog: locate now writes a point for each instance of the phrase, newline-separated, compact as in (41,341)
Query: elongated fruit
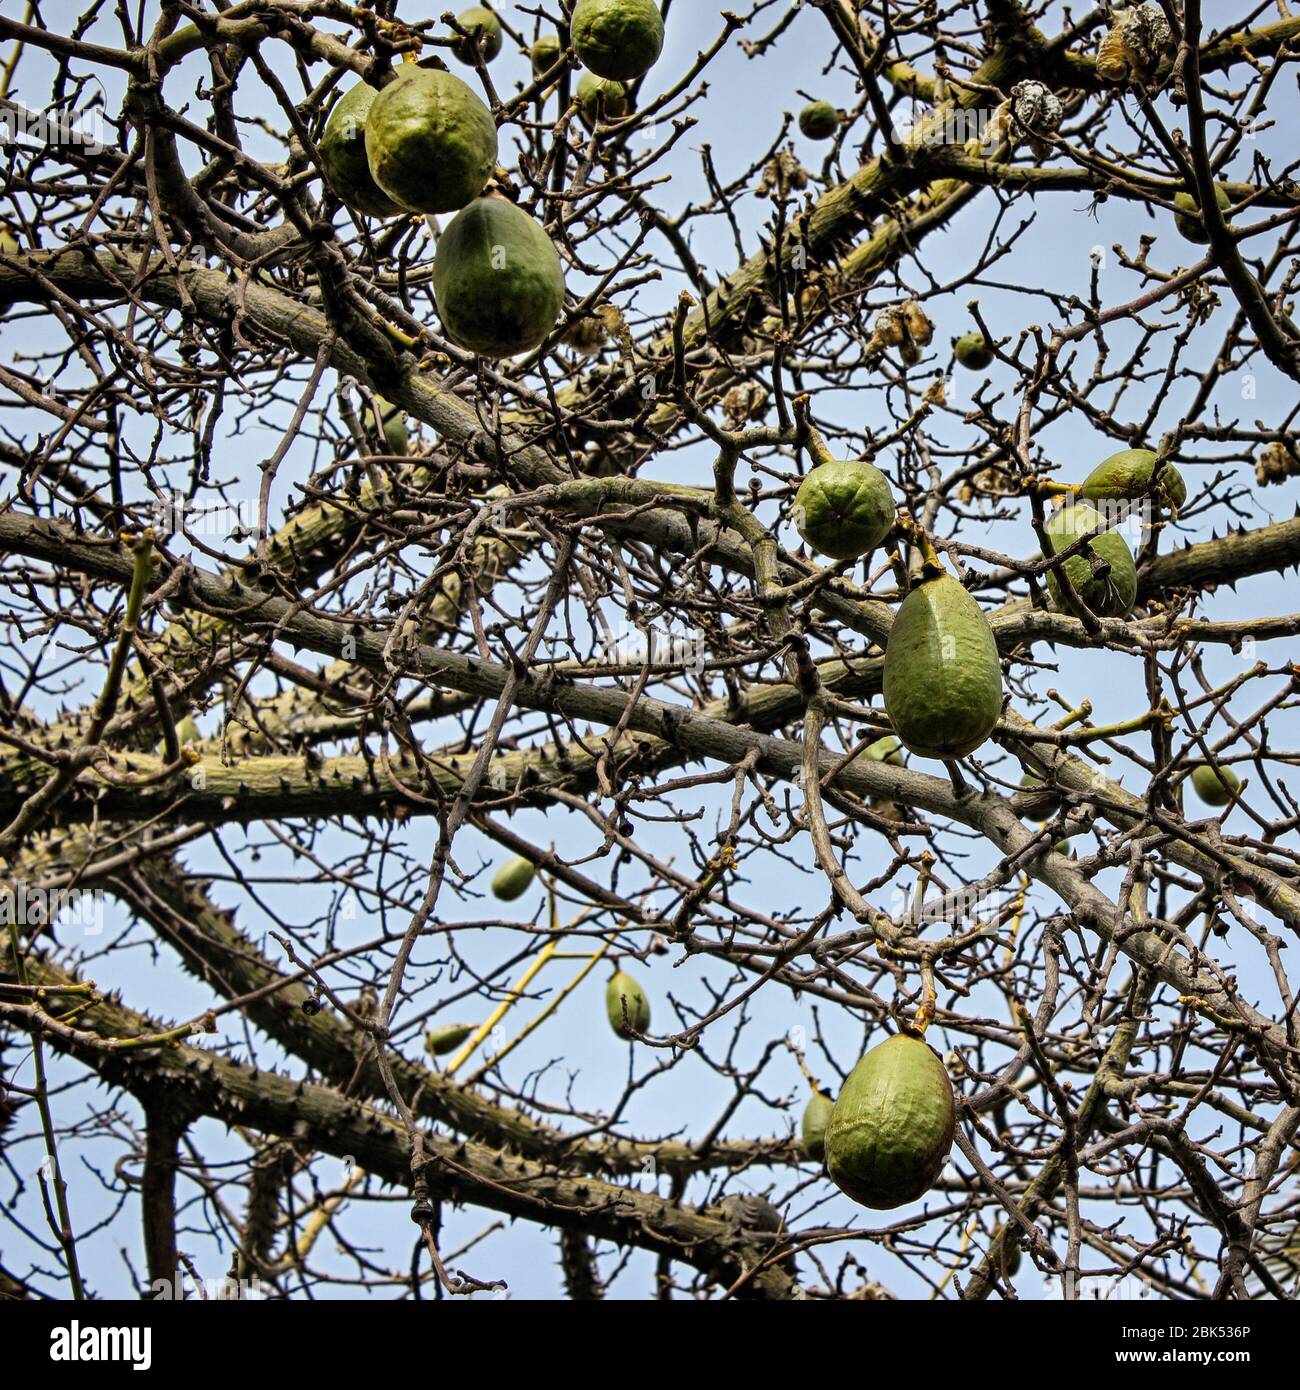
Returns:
(1109,596)
(393,423)
(943,680)
(621,39)
(497,280)
(892,1126)
(844,508)
(1215,787)
(1126,476)
(513,879)
(430,141)
(973,352)
(812,1128)
(627,1005)
(439,1041)
(819,120)
(886,750)
(484,30)
(342,147)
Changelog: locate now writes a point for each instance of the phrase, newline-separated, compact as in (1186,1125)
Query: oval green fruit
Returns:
(812,1128)
(497,280)
(844,508)
(892,1126)
(8,242)
(973,352)
(1126,476)
(545,53)
(393,423)
(886,750)
(626,1005)
(513,878)
(600,99)
(943,679)
(621,39)
(342,147)
(439,1041)
(484,30)
(431,143)
(1188,218)
(1109,597)
(819,120)
(1215,788)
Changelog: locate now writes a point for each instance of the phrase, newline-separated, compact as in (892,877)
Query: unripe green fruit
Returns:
(819,120)
(513,879)
(439,1041)
(812,1128)
(600,99)
(1188,219)
(484,30)
(626,1005)
(497,280)
(1126,476)
(621,39)
(187,731)
(8,242)
(886,750)
(393,423)
(342,149)
(973,352)
(942,679)
(545,53)
(892,1125)
(1215,788)
(1111,597)
(430,141)
(844,508)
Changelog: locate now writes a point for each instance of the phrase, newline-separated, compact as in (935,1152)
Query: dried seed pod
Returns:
(784,174)
(889,330)
(918,325)
(587,335)
(743,403)
(1276,464)
(1133,46)
(1036,107)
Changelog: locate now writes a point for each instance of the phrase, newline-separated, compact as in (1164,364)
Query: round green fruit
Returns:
(819,120)
(621,39)
(1188,218)
(943,679)
(1126,476)
(513,879)
(431,143)
(439,1041)
(973,352)
(886,750)
(627,1006)
(1215,787)
(342,148)
(484,31)
(844,508)
(892,1126)
(1109,597)
(812,1128)
(545,53)
(600,99)
(497,280)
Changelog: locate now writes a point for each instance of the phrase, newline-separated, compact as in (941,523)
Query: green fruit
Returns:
(497,280)
(943,679)
(8,242)
(1188,219)
(187,731)
(819,121)
(545,53)
(623,993)
(886,750)
(892,1126)
(393,424)
(1111,597)
(973,352)
(513,879)
(1126,476)
(599,99)
(431,143)
(812,1128)
(1215,788)
(484,30)
(844,508)
(617,38)
(342,147)
(439,1041)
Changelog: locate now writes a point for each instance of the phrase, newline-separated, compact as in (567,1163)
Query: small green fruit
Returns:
(943,679)
(513,879)
(431,143)
(621,39)
(892,1126)
(1126,476)
(342,149)
(439,1041)
(8,242)
(1188,219)
(545,53)
(484,31)
(812,1128)
(886,750)
(1215,788)
(187,731)
(627,1006)
(393,424)
(819,120)
(973,352)
(1110,597)
(844,508)
(497,280)
(600,99)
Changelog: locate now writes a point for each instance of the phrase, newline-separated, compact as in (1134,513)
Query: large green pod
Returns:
(626,1005)
(621,39)
(513,879)
(430,141)
(1111,596)
(892,1126)
(497,279)
(342,147)
(844,508)
(1126,476)
(812,1128)
(447,1038)
(943,679)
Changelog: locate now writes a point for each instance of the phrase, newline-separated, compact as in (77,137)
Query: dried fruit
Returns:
(812,1128)
(1036,107)
(1188,219)
(973,352)
(621,39)
(600,99)
(744,403)
(627,1005)
(1215,786)
(844,508)
(1276,464)
(439,1041)
(819,120)
(483,35)
(1126,476)
(1133,46)
(1109,594)
(513,879)
(342,147)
